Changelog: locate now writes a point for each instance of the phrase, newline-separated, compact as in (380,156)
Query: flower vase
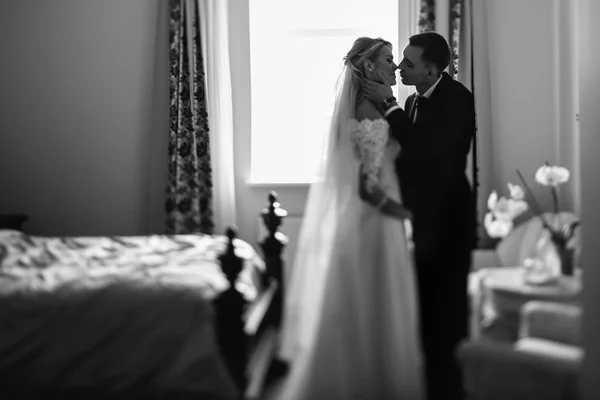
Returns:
(543,268)
(566,256)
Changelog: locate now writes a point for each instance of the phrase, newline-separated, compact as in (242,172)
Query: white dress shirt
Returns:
(427,94)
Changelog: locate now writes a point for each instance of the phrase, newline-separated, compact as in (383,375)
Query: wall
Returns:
(589,82)
(569,88)
(524,52)
(83,110)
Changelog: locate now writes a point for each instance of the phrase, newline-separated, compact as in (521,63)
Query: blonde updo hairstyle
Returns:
(363,49)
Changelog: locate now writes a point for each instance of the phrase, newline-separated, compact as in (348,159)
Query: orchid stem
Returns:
(534,202)
(554,199)
(554,195)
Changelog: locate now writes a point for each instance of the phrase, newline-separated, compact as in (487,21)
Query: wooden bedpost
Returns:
(272,246)
(230,307)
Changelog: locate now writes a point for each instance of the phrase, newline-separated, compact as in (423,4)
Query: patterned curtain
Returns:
(426,23)
(455,18)
(189,191)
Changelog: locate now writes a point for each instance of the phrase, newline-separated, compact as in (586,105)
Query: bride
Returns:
(350,326)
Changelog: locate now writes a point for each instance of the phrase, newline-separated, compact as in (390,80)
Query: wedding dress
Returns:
(351,319)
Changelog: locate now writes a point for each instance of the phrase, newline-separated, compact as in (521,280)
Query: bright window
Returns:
(296,50)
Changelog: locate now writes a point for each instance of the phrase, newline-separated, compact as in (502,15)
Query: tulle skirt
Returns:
(358,337)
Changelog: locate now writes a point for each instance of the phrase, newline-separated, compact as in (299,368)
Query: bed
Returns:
(139,317)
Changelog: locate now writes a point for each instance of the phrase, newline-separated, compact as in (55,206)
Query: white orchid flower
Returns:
(551,175)
(516,192)
(517,207)
(492,200)
(497,228)
(501,209)
(488,219)
(508,209)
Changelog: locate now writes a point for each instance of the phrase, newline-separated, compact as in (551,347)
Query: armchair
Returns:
(543,363)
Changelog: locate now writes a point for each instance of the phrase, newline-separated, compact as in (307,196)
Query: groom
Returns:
(435,130)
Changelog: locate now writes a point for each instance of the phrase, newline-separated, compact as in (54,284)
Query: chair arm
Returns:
(485,258)
(495,371)
(551,321)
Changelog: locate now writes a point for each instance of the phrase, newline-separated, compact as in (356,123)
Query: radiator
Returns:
(291,228)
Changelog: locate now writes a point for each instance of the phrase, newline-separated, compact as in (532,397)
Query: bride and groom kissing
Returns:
(365,317)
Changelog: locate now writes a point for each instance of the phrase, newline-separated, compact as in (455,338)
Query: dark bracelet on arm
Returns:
(387,103)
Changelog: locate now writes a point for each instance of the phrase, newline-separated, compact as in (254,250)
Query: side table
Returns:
(497,295)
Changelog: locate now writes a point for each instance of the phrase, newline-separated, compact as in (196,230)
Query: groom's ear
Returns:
(431,68)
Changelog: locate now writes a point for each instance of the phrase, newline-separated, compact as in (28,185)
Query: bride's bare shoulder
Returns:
(366,110)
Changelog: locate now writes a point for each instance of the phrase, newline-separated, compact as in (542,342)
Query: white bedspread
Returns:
(124,314)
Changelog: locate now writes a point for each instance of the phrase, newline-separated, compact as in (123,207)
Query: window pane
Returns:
(296,59)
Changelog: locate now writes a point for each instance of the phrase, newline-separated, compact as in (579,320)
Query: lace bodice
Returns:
(370,139)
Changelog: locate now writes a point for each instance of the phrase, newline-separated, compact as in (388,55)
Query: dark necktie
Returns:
(420,104)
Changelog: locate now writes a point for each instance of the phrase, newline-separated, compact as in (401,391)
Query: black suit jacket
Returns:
(432,165)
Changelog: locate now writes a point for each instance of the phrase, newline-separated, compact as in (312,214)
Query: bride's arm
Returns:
(379,199)
(371,142)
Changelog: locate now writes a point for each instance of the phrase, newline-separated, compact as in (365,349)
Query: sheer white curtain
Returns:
(408,17)
(214,25)
(474,20)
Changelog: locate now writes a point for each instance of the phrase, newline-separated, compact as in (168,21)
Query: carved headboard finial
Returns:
(272,197)
(231,233)
(231,264)
(273,214)
(230,306)
(272,245)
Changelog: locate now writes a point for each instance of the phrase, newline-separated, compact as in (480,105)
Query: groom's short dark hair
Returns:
(435,48)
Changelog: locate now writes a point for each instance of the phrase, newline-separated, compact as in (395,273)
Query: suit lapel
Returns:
(432,101)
